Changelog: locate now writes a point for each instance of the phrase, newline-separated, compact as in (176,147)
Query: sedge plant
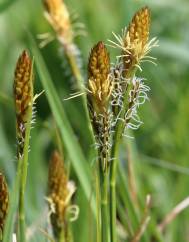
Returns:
(114,96)
(111,98)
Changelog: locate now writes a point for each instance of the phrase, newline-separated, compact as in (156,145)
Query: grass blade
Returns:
(68,137)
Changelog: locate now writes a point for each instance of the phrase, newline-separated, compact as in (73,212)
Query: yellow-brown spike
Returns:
(99,83)
(136,39)
(58,192)
(23,94)
(4,202)
(58,17)
(23,87)
(140,26)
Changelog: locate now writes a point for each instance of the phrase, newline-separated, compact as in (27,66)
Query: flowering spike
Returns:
(136,39)
(60,192)
(23,95)
(4,202)
(99,84)
(58,16)
(140,26)
(23,87)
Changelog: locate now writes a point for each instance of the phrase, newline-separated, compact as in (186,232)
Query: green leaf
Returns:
(80,164)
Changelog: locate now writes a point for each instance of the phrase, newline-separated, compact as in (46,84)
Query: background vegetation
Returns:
(159,151)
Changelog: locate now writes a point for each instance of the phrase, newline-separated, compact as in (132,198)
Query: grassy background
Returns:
(160,148)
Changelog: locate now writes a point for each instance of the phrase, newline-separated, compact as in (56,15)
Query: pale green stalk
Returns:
(113,172)
(7,235)
(98,227)
(75,69)
(62,236)
(113,167)
(104,204)
(23,179)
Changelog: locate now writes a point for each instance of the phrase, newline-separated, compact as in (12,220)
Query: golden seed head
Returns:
(99,83)
(59,193)
(136,38)
(23,87)
(58,16)
(4,202)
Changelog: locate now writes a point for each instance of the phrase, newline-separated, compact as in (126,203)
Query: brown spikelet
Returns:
(58,17)
(136,39)
(23,93)
(58,192)
(99,83)
(4,202)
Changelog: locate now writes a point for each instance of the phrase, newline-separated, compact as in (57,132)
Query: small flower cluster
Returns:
(65,25)
(100,87)
(130,91)
(23,96)
(115,94)
(58,16)
(59,195)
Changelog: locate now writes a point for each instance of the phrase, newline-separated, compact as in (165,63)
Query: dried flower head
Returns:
(23,93)
(99,84)
(58,16)
(60,192)
(4,202)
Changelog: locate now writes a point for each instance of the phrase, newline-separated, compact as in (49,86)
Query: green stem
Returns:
(62,236)
(80,85)
(23,179)
(104,205)
(113,171)
(98,228)
(113,167)
(75,69)
(79,80)
(7,235)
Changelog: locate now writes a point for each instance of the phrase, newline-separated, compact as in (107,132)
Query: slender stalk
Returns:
(58,139)
(62,236)
(98,228)
(23,179)
(113,171)
(104,205)
(113,167)
(13,205)
(80,85)
(75,69)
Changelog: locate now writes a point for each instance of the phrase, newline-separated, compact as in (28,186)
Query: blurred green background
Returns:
(161,145)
